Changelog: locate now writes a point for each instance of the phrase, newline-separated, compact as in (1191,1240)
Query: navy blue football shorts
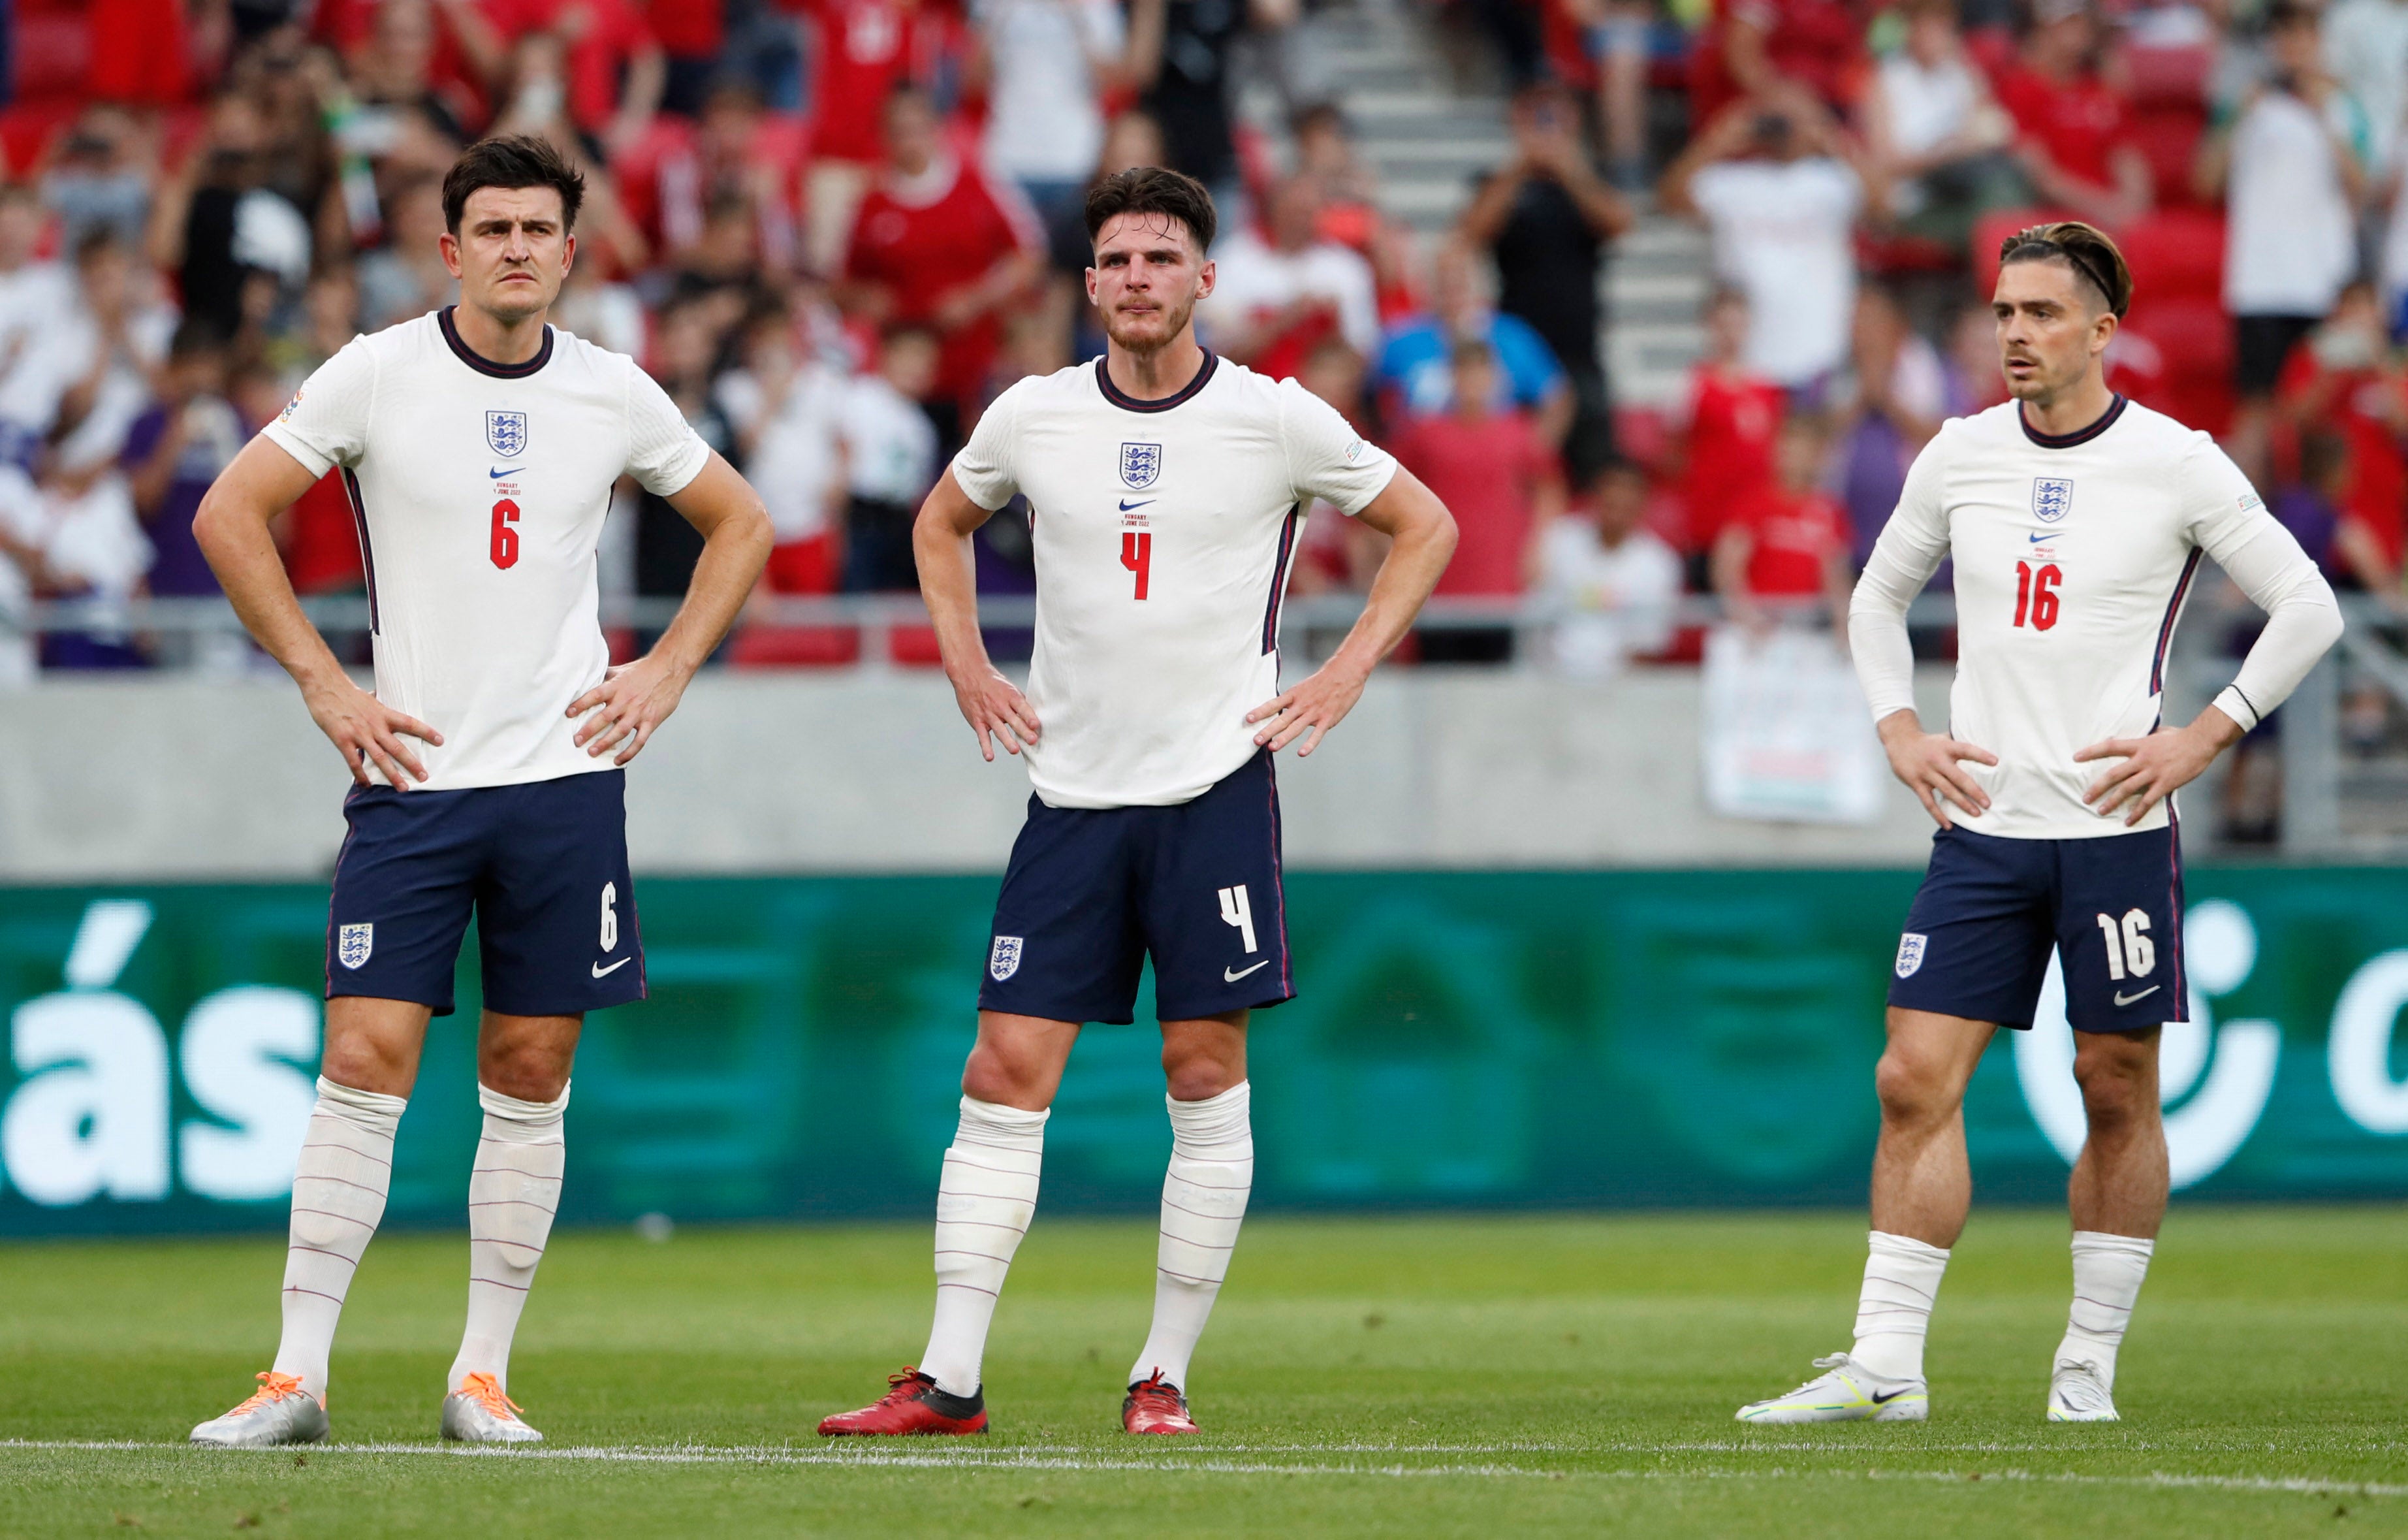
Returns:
(1092,892)
(1978,935)
(543,865)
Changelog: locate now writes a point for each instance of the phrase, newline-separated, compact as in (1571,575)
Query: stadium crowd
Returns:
(833,229)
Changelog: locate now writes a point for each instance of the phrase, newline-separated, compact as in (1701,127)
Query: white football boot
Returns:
(2078,1393)
(478,1413)
(1846,1391)
(278,1412)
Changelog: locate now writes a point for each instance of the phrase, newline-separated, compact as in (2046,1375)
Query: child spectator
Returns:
(1617,585)
(1503,484)
(785,408)
(891,457)
(1727,421)
(1789,544)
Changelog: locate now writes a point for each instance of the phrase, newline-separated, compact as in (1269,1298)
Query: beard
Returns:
(1151,330)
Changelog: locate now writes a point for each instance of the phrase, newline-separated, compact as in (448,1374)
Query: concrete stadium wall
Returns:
(138,778)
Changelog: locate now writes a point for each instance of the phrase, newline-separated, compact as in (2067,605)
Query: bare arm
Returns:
(231,528)
(635,699)
(1148,21)
(1494,204)
(1421,539)
(940,541)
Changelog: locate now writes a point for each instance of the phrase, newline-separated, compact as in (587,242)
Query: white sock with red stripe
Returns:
(1894,1311)
(985,1202)
(512,1194)
(1203,1202)
(338,1192)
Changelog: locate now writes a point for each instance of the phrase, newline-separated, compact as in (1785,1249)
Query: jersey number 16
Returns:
(2036,595)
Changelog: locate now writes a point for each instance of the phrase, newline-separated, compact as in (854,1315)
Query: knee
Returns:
(1913,1090)
(2119,1085)
(993,1075)
(527,1071)
(1194,1072)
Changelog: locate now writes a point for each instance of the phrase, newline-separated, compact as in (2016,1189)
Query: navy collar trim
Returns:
(2079,436)
(1129,403)
(483,365)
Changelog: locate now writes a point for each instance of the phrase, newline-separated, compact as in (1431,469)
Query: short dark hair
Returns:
(1153,190)
(2088,249)
(513,161)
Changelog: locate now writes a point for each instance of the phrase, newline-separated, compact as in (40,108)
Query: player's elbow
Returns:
(218,522)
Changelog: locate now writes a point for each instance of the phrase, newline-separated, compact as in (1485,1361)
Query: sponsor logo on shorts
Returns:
(1910,954)
(2052,498)
(353,944)
(506,433)
(1004,959)
(1139,464)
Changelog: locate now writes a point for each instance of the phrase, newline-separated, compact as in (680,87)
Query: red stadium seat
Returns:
(2167,137)
(53,53)
(2194,338)
(2169,77)
(2176,253)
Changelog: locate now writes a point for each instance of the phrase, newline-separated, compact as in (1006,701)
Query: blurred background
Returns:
(1596,894)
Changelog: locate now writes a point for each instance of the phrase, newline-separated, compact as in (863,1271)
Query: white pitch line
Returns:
(1009,1460)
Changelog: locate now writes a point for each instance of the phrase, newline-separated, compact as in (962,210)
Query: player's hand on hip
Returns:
(2146,771)
(1931,766)
(365,730)
(1311,709)
(630,703)
(997,712)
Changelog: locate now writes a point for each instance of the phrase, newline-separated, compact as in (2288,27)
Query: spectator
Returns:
(1178,60)
(406,278)
(2293,158)
(1335,554)
(411,62)
(319,535)
(1416,377)
(2073,129)
(1132,138)
(1788,544)
(1544,217)
(1615,584)
(863,52)
(786,409)
(2346,383)
(101,176)
(692,34)
(613,69)
(890,459)
(1973,379)
(1726,421)
(1280,290)
(683,353)
(1503,484)
(220,226)
(1935,141)
(37,296)
(2366,50)
(735,149)
(1892,401)
(937,245)
(1773,182)
(1756,48)
(173,452)
(1619,35)
(1046,65)
(1350,203)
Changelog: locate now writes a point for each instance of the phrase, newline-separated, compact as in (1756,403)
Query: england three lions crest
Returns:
(1004,960)
(2052,498)
(506,433)
(353,944)
(1910,954)
(1139,464)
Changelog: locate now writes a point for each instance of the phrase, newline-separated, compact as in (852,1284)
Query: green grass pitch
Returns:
(1438,1376)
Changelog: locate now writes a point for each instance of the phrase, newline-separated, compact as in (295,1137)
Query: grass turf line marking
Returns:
(1004,1461)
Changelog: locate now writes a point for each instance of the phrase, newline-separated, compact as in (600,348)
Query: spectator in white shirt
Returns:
(1615,583)
(2366,48)
(890,448)
(785,407)
(1047,63)
(1282,290)
(1772,182)
(1935,137)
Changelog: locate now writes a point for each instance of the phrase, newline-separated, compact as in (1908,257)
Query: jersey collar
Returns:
(1129,403)
(2079,436)
(482,365)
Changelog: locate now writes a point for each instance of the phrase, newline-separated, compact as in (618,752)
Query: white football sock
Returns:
(1894,1311)
(2107,1275)
(338,1192)
(985,1202)
(513,1191)
(1203,1203)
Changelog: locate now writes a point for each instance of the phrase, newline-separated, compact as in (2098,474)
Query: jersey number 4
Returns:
(506,535)
(1137,555)
(2036,595)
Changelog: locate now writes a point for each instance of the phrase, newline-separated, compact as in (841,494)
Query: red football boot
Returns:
(1155,1407)
(912,1404)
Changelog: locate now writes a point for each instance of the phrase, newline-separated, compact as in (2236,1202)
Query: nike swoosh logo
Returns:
(1880,1399)
(1126,505)
(497,475)
(1228,976)
(2043,535)
(602,972)
(2122,998)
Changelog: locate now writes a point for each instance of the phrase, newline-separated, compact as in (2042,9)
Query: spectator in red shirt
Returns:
(862,51)
(616,70)
(2343,379)
(2075,130)
(1494,472)
(692,32)
(1751,48)
(1729,417)
(1789,542)
(936,244)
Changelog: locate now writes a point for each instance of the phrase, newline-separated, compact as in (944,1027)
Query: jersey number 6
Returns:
(506,537)
(1137,555)
(2036,595)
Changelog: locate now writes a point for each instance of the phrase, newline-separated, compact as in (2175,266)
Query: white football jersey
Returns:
(2073,556)
(480,490)
(1163,535)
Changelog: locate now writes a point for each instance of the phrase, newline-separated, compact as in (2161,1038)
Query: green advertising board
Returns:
(1562,1039)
